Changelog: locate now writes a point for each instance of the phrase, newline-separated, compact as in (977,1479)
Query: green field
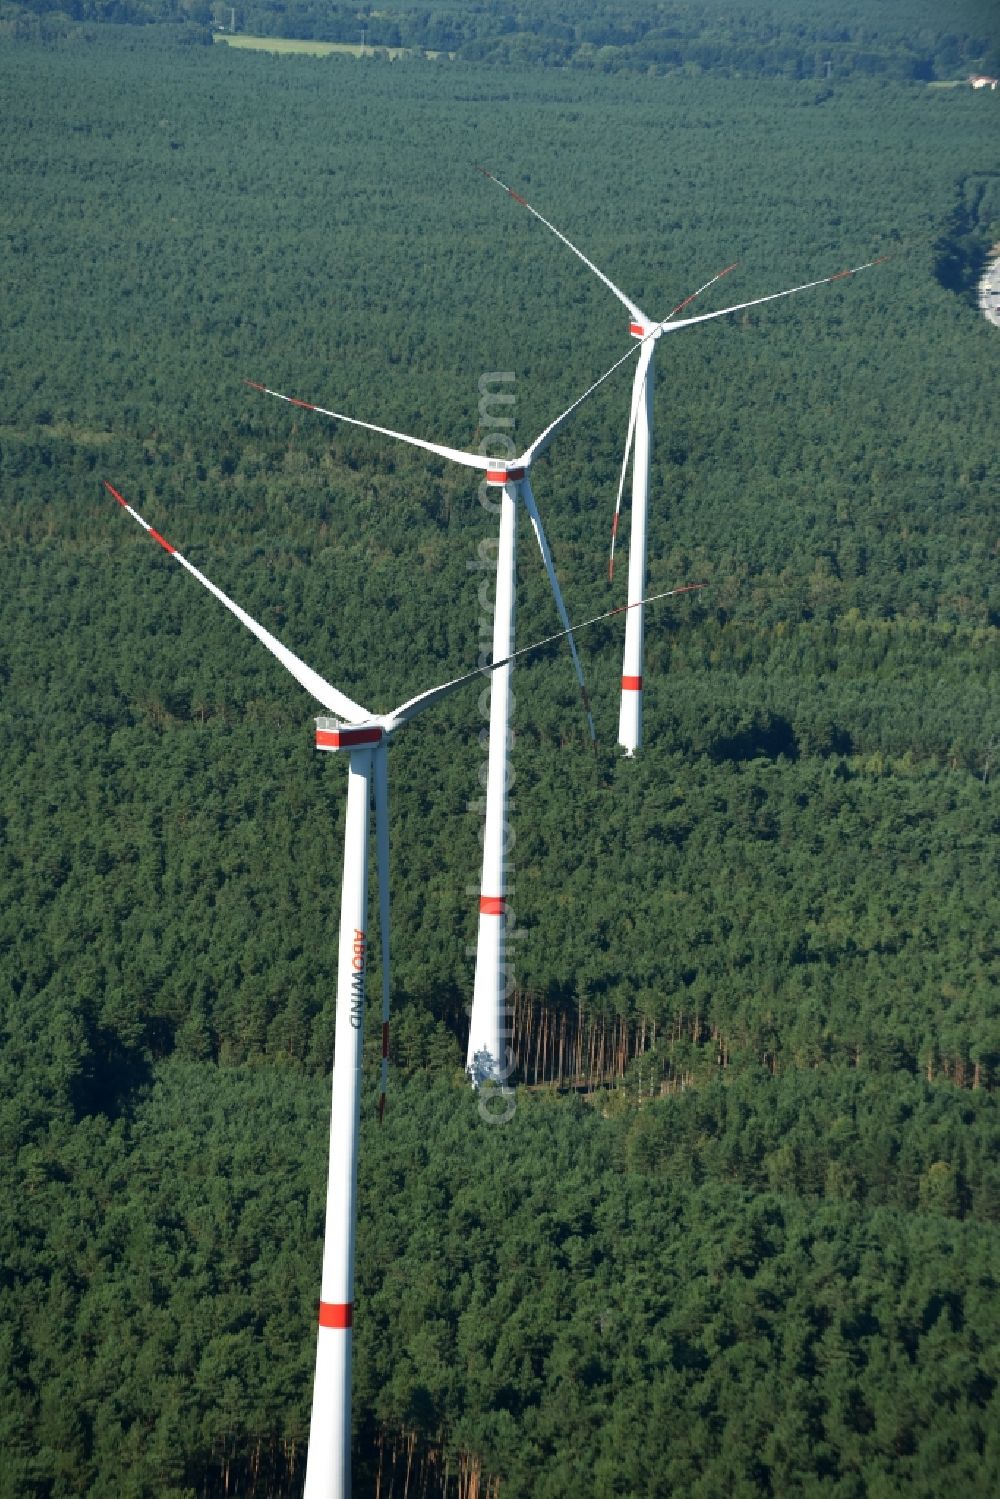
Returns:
(287,46)
(758,1257)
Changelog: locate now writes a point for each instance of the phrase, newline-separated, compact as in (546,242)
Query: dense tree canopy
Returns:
(757,1254)
(899,39)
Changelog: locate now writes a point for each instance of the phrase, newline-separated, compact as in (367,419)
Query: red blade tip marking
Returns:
(306,406)
(112,490)
(164,543)
(492,905)
(631,684)
(256,385)
(681,305)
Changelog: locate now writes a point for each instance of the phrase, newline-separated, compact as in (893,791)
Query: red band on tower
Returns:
(336,1314)
(631,684)
(492,905)
(637,330)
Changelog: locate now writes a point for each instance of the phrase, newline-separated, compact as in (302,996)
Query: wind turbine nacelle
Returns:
(501,476)
(331,734)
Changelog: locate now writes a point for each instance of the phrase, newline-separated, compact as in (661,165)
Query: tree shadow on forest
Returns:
(760,735)
(111,1077)
(962,252)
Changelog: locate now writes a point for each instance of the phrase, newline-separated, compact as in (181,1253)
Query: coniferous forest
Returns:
(740,1234)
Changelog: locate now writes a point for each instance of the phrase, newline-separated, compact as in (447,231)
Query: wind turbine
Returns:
(640,436)
(486,1061)
(365,737)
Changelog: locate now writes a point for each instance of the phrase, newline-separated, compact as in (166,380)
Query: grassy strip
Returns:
(318,49)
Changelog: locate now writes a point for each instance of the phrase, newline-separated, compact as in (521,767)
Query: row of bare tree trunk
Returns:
(569,1048)
(410,1468)
(572,1049)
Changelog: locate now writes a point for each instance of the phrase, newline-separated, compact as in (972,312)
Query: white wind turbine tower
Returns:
(486,1061)
(365,738)
(640,434)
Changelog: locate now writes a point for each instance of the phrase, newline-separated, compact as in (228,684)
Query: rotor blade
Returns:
(543,547)
(695,294)
(543,439)
(616,290)
(381,779)
(454,455)
(330,698)
(416,705)
(637,396)
(704,317)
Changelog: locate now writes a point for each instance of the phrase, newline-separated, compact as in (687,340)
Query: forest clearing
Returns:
(288,46)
